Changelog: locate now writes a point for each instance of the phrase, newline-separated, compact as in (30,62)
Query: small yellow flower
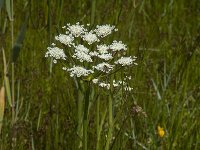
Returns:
(161,131)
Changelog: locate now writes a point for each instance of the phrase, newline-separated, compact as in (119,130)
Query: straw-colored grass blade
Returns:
(7,82)
(2,106)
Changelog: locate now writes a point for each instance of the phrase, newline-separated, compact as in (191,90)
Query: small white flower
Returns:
(128,88)
(65,39)
(90,37)
(94,53)
(95,81)
(128,77)
(118,46)
(76,29)
(56,53)
(104,30)
(102,84)
(104,67)
(81,56)
(115,84)
(53,44)
(125,61)
(106,56)
(102,49)
(64,68)
(79,71)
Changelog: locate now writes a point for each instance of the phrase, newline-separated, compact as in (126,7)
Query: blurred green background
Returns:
(164,35)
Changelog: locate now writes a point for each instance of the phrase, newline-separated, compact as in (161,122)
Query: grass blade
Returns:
(6,80)
(2,106)
(8,9)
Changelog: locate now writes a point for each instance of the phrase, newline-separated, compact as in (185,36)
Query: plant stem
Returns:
(97,119)
(85,118)
(12,45)
(110,112)
(80,117)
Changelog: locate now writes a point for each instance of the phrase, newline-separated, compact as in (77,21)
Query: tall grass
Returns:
(163,35)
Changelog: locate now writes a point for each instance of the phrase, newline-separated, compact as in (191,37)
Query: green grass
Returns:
(164,35)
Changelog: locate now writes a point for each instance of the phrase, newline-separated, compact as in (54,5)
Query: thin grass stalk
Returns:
(110,113)
(2,106)
(80,117)
(13,93)
(93,11)
(103,116)
(97,123)
(85,118)
(7,82)
(13,69)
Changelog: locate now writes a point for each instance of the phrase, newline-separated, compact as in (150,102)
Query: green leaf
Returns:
(6,80)
(8,9)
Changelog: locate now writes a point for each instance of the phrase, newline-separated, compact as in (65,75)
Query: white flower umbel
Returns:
(56,53)
(76,30)
(106,56)
(90,37)
(104,67)
(81,48)
(118,46)
(125,61)
(104,30)
(65,39)
(81,56)
(102,49)
(79,71)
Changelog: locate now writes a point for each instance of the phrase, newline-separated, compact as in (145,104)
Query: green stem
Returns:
(13,94)
(85,118)
(13,65)
(110,112)
(97,119)
(80,116)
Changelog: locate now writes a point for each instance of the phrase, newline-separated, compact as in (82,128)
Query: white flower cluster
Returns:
(118,46)
(104,30)
(102,49)
(65,39)
(82,56)
(115,84)
(106,56)
(97,61)
(78,71)
(104,67)
(125,61)
(81,53)
(55,53)
(90,37)
(76,30)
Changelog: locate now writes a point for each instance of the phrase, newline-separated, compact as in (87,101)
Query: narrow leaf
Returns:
(6,79)
(8,9)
